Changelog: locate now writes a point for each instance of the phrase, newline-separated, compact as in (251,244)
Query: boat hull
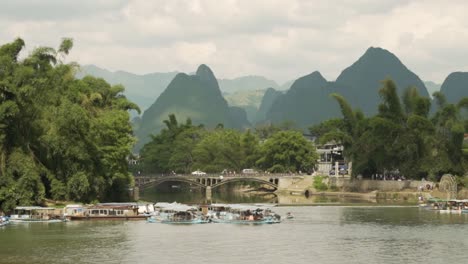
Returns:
(37,221)
(121,218)
(246,222)
(188,222)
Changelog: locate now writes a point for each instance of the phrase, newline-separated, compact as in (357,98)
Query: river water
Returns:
(317,234)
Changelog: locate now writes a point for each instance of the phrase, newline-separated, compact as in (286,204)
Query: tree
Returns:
(171,149)
(220,149)
(62,138)
(287,151)
(397,138)
(249,146)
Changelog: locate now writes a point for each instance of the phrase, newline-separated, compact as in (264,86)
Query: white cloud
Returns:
(279,39)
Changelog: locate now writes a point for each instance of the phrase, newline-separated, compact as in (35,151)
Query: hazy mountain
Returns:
(360,82)
(246,83)
(144,89)
(249,100)
(287,85)
(432,87)
(455,86)
(140,89)
(190,96)
(307,102)
(268,99)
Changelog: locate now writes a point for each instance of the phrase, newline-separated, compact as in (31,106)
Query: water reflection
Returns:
(187,194)
(317,234)
(406,216)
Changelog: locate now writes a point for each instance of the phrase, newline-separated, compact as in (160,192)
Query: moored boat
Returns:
(4,221)
(104,211)
(37,214)
(289,215)
(244,214)
(446,206)
(176,213)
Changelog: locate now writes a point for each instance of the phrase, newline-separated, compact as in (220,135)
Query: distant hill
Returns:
(432,87)
(144,89)
(307,102)
(267,101)
(249,100)
(360,82)
(190,96)
(286,86)
(140,89)
(455,86)
(246,83)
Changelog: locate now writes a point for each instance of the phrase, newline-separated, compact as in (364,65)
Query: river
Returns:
(317,234)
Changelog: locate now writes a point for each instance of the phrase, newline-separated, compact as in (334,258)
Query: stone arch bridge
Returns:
(280,182)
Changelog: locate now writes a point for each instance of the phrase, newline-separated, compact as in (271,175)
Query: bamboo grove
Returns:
(408,134)
(61,138)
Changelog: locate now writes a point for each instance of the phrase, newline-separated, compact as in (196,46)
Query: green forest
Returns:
(406,135)
(182,148)
(61,138)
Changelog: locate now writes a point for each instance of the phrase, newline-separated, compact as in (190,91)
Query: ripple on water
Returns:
(315,235)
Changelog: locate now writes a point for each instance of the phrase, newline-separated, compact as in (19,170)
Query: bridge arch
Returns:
(158,181)
(238,179)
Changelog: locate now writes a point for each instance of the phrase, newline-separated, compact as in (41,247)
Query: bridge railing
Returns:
(217,175)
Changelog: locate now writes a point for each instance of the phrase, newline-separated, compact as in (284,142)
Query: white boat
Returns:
(105,211)
(243,214)
(176,213)
(4,221)
(37,214)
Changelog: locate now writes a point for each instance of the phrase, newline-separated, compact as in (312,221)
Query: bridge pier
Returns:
(208,193)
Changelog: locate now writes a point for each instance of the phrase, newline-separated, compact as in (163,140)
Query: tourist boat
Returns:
(446,206)
(433,203)
(104,211)
(4,221)
(176,213)
(37,214)
(243,214)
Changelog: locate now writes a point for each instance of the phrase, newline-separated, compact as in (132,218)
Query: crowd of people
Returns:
(388,177)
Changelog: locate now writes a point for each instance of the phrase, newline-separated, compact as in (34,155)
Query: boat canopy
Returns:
(175,207)
(30,208)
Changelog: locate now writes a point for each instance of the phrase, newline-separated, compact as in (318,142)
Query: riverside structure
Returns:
(297,183)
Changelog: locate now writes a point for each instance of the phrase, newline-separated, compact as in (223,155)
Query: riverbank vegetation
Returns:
(183,148)
(408,135)
(60,137)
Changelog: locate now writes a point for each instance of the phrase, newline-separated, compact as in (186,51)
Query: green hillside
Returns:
(360,82)
(267,101)
(249,100)
(306,103)
(455,86)
(197,97)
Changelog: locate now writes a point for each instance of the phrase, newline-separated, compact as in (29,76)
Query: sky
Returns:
(281,40)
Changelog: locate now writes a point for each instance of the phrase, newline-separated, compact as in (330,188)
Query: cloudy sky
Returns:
(280,40)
